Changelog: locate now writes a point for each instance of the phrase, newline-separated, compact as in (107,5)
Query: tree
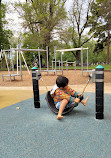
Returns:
(66,37)
(41,18)
(4,34)
(30,0)
(101,15)
(1,24)
(79,18)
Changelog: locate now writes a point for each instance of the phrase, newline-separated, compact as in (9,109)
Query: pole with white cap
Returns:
(99,80)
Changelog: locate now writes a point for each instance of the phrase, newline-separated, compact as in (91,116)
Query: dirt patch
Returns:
(75,78)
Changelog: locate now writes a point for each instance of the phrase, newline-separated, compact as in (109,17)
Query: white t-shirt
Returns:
(53,89)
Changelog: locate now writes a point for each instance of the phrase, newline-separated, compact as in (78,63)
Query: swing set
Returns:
(9,57)
(19,52)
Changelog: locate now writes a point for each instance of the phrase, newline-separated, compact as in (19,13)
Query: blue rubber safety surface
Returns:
(35,133)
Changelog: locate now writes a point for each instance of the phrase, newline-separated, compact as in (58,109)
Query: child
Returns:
(63,95)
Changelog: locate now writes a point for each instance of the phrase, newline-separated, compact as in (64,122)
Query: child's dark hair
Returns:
(62,81)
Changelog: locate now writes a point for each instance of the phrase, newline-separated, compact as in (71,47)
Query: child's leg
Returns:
(84,102)
(61,108)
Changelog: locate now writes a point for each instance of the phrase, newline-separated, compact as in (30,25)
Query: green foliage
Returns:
(106,66)
(5,35)
(4,39)
(41,18)
(79,20)
(31,40)
(101,24)
(67,56)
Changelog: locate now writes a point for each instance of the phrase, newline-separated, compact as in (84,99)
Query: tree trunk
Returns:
(47,43)
(108,44)
(77,57)
(46,57)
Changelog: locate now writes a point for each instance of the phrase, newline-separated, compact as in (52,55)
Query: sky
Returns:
(14,22)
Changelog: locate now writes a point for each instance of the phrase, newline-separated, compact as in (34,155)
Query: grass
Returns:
(106,67)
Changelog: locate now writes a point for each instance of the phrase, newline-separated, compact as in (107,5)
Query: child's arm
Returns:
(62,95)
(72,92)
(78,97)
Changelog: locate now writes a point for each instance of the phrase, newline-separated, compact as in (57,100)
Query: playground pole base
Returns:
(37,104)
(99,116)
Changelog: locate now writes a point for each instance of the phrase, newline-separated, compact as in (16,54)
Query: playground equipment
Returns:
(36,75)
(39,59)
(69,62)
(66,64)
(73,49)
(1,55)
(19,54)
(99,80)
(35,50)
(54,69)
(51,104)
(48,70)
(19,51)
(56,63)
(52,107)
(97,76)
(61,61)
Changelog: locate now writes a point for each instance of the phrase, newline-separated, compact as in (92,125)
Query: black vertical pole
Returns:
(35,88)
(99,76)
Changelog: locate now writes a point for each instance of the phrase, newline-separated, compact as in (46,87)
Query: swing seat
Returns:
(52,107)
